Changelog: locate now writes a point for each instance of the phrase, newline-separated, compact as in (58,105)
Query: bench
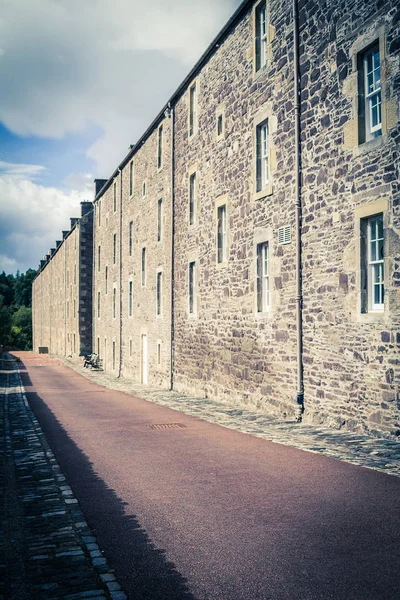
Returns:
(93,361)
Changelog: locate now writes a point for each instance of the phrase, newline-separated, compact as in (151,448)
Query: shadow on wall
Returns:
(140,567)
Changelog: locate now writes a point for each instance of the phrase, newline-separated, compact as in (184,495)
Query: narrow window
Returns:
(370,105)
(74,308)
(68,309)
(192,110)
(98,258)
(130,238)
(144,189)
(192,287)
(74,344)
(262,277)
(160,147)
(159,219)
(130,298)
(375,270)
(115,249)
(219,125)
(99,213)
(115,197)
(159,353)
(221,234)
(192,199)
(98,305)
(261,35)
(143,267)
(262,156)
(159,292)
(130,347)
(114,303)
(113,356)
(131,178)
(98,346)
(74,273)
(106,278)
(105,353)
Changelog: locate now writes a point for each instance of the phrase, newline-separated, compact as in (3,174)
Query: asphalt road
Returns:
(188,510)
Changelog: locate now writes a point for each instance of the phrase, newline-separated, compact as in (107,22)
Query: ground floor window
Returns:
(372,263)
(263,294)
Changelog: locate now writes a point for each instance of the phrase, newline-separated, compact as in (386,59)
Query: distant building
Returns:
(202,279)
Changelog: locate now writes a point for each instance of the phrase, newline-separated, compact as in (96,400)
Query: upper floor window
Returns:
(115,197)
(261,35)
(220,125)
(106,279)
(160,147)
(99,213)
(114,302)
(222,251)
(159,292)
(98,305)
(98,258)
(370,95)
(192,287)
(159,219)
(144,189)
(130,238)
(131,178)
(263,301)
(143,267)
(115,248)
(373,263)
(192,110)
(262,163)
(130,298)
(192,199)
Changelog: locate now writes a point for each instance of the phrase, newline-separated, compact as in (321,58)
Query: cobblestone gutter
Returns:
(47,550)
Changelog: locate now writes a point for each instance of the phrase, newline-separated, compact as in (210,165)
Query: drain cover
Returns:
(167,426)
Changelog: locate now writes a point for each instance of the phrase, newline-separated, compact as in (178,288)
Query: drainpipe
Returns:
(170,113)
(297,167)
(120,274)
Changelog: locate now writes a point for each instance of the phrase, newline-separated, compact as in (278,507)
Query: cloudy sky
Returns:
(80,81)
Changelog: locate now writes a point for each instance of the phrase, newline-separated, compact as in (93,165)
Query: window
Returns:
(130,298)
(192,287)
(375,263)
(74,344)
(262,156)
(192,110)
(130,348)
(159,353)
(106,277)
(192,199)
(370,105)
(131,178)
(98,346)
(263,301)
(221,234)
(68,309)
(160,147)
(74,308)
(114,302)
(159,219)
(144,190)
(99,213)
(115,197)
(130,238)
(98,257)
(115,249)
(74,273)
(143,267)
(220,123)
(98,305)
(113,356)
(159,292)
(261,35)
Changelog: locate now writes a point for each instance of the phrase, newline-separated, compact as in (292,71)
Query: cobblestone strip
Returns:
(47,550)
(374,453)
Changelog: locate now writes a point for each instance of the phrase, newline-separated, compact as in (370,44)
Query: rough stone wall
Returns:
(85,275)
(228,350)
(352,372)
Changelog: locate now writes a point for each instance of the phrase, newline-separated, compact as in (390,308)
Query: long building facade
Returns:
(247,248)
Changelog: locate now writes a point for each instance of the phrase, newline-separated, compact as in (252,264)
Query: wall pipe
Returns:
(297,167)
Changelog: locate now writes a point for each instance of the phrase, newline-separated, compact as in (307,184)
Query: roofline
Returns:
(213,46)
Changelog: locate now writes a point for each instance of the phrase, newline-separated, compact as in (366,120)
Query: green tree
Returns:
(21,328)
(23,288)
(5,323)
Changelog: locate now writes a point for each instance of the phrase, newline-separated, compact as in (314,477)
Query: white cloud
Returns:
(113,63)
(19,170)
(32,218)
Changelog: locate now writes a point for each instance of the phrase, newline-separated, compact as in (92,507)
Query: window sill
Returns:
(267,191)
(371,145)
(259,316)
(131,197)
(376,316)
(222,265)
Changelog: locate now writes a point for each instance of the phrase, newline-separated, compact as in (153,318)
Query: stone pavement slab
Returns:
(47,550)
(380,454)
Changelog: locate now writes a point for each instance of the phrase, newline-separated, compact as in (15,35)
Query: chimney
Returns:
(42,263)
(74,221)
(98,185)
(52,250)
(64,234)
(86,207)
(58,243)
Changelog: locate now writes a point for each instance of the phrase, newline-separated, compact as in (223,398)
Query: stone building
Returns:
(247,248)
(62,291)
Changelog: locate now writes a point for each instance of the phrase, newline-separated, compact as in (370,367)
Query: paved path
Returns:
(187,510)
(47,550)
(373,453)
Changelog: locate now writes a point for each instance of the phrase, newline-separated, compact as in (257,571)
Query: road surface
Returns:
(188,510)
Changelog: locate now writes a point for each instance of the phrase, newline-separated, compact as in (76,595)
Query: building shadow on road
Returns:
(142,569)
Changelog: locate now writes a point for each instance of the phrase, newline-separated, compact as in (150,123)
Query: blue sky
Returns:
(81,81)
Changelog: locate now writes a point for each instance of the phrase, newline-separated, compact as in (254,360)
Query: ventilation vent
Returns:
(285,235)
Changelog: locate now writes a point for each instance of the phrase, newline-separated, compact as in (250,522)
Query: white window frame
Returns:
(261,38)
(375,263)
(192,198)
(263,278)
(222,238)
(262,156)
(192,285)
(374,94)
